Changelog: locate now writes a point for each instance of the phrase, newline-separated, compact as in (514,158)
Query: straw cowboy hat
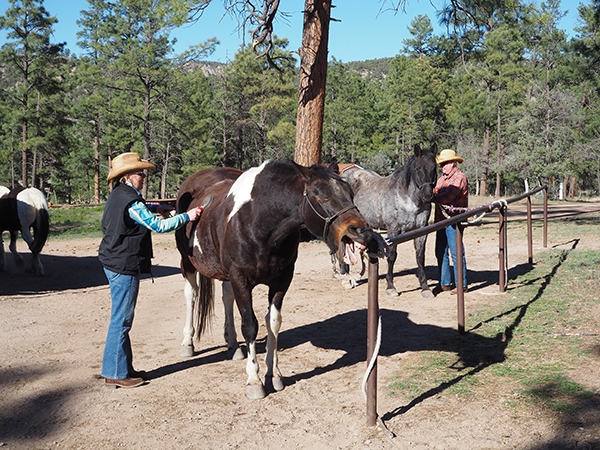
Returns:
(127,163)
(447,155)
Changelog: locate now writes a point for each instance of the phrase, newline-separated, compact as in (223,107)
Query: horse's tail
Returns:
(204,306)
(41,228)
(41,225)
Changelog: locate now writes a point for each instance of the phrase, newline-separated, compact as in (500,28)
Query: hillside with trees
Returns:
(511,92)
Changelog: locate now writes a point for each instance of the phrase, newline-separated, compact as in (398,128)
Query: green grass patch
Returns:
(555,391)
(76,222)
(522,347)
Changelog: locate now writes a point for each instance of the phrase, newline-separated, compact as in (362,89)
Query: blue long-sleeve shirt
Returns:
(140,213)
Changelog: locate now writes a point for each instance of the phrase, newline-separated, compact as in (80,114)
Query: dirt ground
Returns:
(53,328)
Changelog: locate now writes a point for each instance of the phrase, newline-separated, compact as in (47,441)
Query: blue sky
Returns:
(365,32)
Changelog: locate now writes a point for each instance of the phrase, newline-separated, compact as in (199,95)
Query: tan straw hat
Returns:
(127,163)
(447,155)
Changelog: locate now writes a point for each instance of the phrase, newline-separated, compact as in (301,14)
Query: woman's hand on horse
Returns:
(195,213)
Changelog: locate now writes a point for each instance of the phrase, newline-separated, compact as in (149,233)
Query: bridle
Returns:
(328,220)
(427,183)
(421,186)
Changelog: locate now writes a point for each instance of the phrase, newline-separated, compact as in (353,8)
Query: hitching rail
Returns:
(373,274)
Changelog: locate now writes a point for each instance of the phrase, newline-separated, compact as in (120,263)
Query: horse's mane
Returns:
(404,175)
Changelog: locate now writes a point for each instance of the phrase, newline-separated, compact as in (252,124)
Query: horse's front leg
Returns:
(242,292)
(273,322)
(254,387)
(191,297)
(233,348)
(391,259)
(13,247)
(420,244)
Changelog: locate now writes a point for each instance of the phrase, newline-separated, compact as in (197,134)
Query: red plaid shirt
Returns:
(451,190)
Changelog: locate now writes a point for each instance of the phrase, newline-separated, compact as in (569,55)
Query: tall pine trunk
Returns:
(313,78)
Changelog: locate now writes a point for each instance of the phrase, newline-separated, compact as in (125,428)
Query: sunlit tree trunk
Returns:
(313,78)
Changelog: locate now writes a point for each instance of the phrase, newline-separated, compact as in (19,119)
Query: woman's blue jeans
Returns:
(446,240)
(118,359)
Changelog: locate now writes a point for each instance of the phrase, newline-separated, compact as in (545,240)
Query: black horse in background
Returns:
(397,203)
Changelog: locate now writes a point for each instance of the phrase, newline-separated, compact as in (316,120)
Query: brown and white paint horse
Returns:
(249,235)
(23,210)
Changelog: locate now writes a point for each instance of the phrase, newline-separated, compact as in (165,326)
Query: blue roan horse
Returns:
(398,203)
(21,210)
(249,235)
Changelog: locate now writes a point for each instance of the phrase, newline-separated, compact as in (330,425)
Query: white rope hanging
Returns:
(373,358)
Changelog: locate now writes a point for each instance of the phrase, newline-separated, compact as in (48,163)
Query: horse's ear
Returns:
(417,150)
(302,171)
(334,167)
(434,148)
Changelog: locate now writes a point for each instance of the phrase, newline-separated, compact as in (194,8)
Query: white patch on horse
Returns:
(196,243)
(242,188)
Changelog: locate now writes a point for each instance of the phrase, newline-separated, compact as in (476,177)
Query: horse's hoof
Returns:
(277,383)
(392,292)
(255,392)
(426,293)
(347,284)
(237,354)
(186,351)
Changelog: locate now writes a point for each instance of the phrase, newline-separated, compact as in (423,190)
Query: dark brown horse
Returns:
(249,235)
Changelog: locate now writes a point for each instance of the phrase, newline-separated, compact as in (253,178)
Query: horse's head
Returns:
(425,171)
(329,211)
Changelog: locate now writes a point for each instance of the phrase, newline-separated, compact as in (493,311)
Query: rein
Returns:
(328,220)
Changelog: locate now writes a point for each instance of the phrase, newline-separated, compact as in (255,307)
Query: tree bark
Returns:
(487,136)
(97,160)
(24,154)
(313,78)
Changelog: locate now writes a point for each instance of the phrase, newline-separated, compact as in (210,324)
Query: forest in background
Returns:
(516,98)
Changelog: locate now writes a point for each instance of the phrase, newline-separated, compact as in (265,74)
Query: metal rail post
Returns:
(546,216)
(502,248)
(460,289)
(372,328)
(529,232)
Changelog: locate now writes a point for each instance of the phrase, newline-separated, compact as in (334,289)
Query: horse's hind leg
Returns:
(36,264)
(13,247)
(233,348)
(348,281)
(191,297)
(420,252)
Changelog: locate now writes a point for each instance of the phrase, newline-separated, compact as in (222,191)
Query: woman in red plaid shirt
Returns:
(451,189)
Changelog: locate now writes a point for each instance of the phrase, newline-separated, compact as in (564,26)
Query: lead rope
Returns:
(373,359)
(449,209)
(382,425)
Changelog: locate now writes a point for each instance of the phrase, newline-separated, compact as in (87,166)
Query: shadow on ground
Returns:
(62,273)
